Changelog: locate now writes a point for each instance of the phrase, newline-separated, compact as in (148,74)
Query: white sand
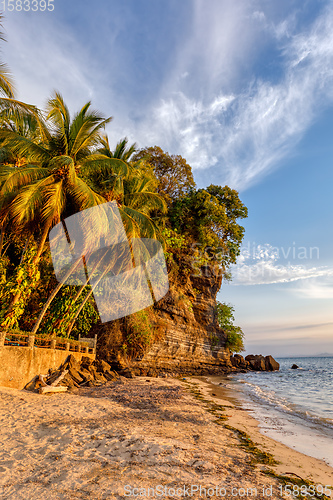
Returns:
(136,433)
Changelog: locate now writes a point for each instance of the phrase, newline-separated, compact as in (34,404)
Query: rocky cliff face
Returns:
(189,340)
(192,341)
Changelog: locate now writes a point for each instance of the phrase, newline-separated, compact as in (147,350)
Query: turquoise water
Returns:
(294,407)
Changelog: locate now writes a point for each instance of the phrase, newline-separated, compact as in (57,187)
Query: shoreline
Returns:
(291,460)
(136,433)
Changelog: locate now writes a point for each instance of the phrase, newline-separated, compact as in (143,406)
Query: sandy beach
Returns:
(140,437)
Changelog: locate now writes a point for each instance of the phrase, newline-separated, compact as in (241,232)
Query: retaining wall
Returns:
(19,365)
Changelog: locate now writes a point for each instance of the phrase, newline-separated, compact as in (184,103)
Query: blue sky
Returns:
(244,91)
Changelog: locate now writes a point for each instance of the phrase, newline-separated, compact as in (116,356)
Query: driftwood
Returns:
(42,381)
(52,387)
(58,379)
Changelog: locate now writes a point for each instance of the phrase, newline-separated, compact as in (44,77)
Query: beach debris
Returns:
(53,386)
(73,374)
(294,367)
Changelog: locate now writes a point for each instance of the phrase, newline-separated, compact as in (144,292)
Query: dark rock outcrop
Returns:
(271,364)
(260,363)
(239,362)
(87,373)
(294,367)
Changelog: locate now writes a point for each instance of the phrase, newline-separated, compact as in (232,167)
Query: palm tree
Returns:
(6,83)
(121,151)
(49,185)
(63,172)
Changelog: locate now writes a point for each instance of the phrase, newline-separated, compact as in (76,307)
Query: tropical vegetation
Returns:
(54,164)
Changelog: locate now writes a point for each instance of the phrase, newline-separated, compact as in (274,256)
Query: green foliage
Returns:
(16,291)
(174,242)
(234,333)
(139,332)
(175,178)
(208,218)
(62,311)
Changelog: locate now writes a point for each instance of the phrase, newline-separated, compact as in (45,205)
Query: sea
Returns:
(293,406)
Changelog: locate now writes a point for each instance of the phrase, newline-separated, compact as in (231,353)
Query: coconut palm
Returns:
(63,172)
(49,185)
(121,151)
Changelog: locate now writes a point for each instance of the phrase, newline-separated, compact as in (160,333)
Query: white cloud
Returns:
(51,60)
(253,129)
(205,107)
(316,289)
(260,266)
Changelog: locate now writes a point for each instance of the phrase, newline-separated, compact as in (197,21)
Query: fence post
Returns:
(68,345)
(2,338)
(53,344)
(31,341)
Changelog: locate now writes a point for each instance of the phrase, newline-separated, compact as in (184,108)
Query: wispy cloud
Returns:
(262,265)
(256,127)
(316,289)
(211,100)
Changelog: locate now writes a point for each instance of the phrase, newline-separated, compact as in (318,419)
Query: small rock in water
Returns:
(294,367)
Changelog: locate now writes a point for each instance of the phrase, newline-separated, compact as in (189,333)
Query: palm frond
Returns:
(85,131)
(59,114)
(22,109)
(12,178)
(23,146)
(53,203)
(106,166)
(145,202)
(83,195)
(6,82)
(28,203)
(144,225)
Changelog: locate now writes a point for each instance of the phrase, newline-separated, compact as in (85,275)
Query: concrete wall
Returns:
(19,365)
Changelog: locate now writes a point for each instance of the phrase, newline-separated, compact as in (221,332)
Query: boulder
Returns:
(110,375)
(128,373)
(86,361)
(71,363)
(76,375)
(257,362)
(238,361)
(271,364)
(260,363)
(86,374)
(294,367)
(102,366)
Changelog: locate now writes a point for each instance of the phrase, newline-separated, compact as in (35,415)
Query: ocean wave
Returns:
(270,399)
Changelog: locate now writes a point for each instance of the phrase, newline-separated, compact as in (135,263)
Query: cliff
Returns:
(180,334)
(187,336)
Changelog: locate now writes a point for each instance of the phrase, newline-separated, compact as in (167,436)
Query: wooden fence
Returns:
(27,340)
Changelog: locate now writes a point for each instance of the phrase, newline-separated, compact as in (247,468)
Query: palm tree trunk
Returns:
(85,301)
(53,294)
(42,243)
(79,292)
(72,323)
(2,237)
(25,249)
